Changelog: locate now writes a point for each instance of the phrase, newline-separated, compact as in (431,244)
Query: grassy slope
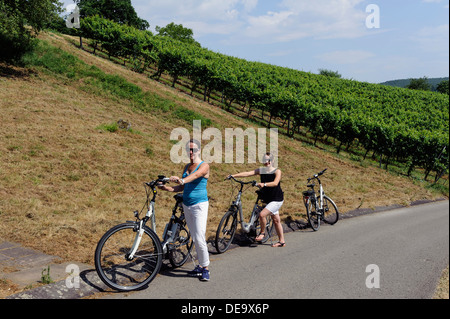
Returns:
(64,181)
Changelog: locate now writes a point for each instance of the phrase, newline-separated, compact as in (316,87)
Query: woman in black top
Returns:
(272,194)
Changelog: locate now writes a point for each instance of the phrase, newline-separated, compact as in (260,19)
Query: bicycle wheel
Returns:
(113,265)
(313,217)
(180,249)
(226,231)
(267,232)
(330,211)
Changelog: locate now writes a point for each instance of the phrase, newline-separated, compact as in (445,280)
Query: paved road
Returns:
(409,246)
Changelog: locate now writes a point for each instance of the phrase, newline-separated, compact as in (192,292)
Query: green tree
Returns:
(330,74)
(443,87)
(120,11)
(177,32)
(421,84)
(20,21)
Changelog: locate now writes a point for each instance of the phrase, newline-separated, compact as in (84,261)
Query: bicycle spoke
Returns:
(180,249)
(331,213)
(112,258)
(226,231)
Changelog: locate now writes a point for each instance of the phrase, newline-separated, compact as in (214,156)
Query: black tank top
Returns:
(271,194)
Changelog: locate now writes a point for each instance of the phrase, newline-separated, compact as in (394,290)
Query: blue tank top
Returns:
(195,192)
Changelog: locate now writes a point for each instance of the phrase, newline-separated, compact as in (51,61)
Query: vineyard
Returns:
(408,126)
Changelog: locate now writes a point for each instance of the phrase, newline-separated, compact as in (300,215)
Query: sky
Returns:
(364,40)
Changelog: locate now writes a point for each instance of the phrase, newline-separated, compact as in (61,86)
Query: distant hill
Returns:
(405,82)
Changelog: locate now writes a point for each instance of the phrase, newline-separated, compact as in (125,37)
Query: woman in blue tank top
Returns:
(195,204)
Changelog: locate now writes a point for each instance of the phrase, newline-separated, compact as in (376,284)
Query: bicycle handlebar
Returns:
(161,179)
(254,183)
(317,175)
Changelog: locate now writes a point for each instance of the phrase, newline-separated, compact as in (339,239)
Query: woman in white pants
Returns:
(195,204)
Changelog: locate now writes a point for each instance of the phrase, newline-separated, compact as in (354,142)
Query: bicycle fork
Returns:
(320,209)
(140,230)
(137,241)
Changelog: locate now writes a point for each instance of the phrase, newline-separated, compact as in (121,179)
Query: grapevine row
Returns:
(412,126)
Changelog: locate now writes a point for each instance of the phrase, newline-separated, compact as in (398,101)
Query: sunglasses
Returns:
(193,150)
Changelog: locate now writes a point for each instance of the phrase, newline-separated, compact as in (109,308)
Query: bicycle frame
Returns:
(150,215)
(169,234)
(321,191)
(133,267)
(319,207)
(238,205)
(321,194)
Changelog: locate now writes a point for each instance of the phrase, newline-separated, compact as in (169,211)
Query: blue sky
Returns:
(412,39)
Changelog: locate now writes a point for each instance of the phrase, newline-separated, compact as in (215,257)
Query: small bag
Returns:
(309,193)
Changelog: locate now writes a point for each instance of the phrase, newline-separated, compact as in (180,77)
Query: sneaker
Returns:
(197,272)
(205,275)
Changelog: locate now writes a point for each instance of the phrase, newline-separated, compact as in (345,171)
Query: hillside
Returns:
(395,124)
(403,83)
(68,174)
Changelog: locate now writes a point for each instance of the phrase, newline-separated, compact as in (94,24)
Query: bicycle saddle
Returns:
(179,197)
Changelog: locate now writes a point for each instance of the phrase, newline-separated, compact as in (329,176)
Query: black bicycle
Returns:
(228,225)
(319,207)
(130,255)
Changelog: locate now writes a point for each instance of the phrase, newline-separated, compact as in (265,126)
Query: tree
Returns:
(329,73)
(443,87)
(177,32)
(20,21)
(421,84)
(120,11)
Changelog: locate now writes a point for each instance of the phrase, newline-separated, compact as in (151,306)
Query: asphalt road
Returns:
(393,254)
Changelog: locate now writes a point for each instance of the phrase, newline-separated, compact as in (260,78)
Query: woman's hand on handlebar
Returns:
(175,179)
(162,187)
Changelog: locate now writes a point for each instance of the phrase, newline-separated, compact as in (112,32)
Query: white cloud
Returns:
(304,18)
(204,16)
(296,19)
(273,23)
(249,5)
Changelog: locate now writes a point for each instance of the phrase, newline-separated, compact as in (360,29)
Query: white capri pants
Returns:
(196,219)
(274,207)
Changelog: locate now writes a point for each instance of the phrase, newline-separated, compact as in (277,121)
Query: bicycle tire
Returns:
(180,250)
(313,217)
(226,231)
(111,262)
(330,214)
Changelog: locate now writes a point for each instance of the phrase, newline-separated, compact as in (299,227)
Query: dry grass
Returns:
(7,288)
(442,291)
(64,182)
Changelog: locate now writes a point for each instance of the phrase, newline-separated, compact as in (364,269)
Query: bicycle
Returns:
(228,225)
(130,255)
(319,208)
